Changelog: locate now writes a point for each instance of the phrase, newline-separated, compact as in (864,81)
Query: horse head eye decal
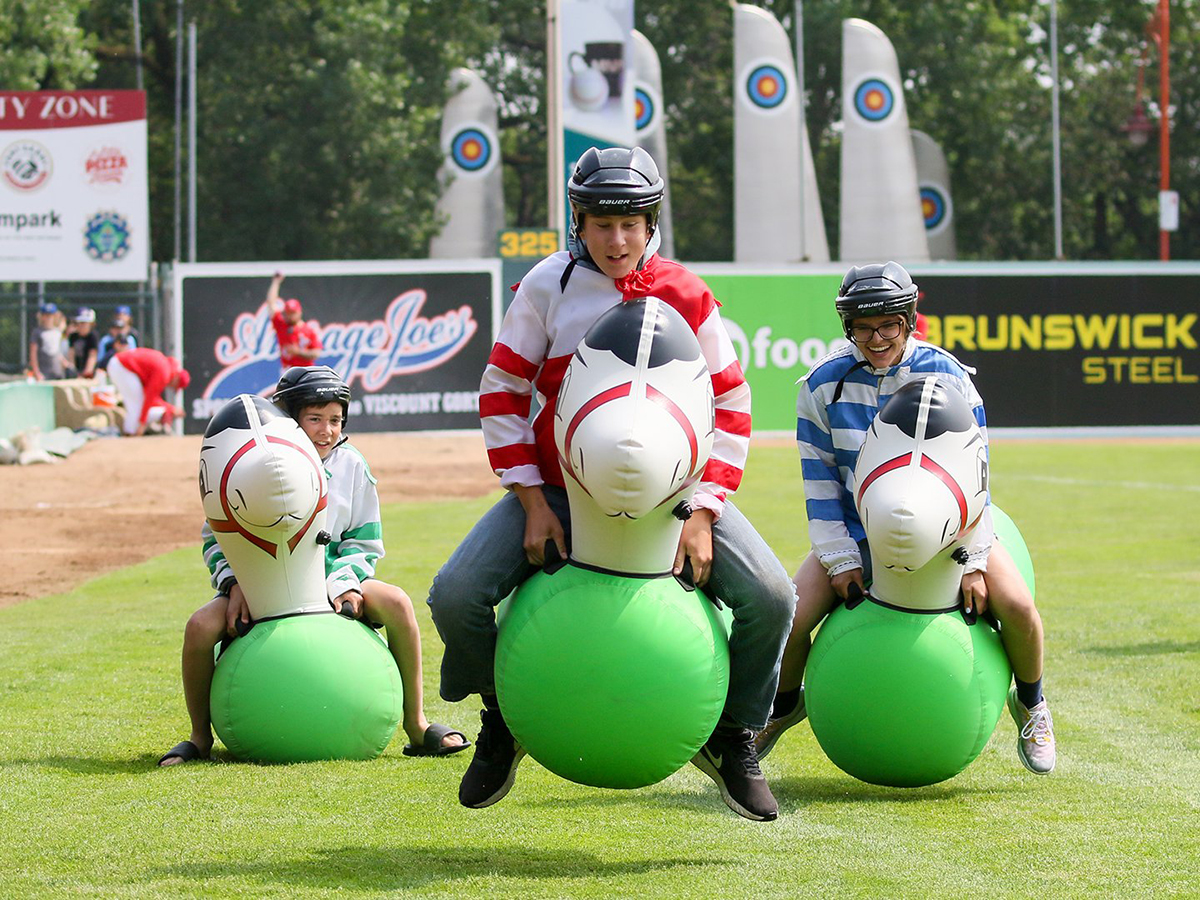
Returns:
(205,490)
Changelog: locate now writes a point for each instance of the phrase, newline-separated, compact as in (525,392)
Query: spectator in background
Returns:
(45,345)
(299,343)
(84,346)
(120,337)
(141,376)
(124,315)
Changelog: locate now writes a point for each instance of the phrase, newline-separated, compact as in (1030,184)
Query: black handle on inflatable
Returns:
(241,627)
(854,595)
(686,577)
(551,561)
(970,616)
(347,609)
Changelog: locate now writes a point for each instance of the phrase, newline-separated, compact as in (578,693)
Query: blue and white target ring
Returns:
(766,86)
(874,100)
(472,149)
(645,109)
(935,208)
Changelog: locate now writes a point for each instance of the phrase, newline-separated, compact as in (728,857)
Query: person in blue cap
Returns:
(45,345)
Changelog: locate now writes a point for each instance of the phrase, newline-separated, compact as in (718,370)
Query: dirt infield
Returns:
(119,501)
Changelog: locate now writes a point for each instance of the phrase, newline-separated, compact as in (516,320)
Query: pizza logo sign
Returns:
(106,236)
(106,166)
(26,165)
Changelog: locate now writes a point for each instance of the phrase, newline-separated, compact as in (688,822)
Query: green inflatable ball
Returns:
(306,687)
(610,681)
(901,698)
(1009,535)
(907,699)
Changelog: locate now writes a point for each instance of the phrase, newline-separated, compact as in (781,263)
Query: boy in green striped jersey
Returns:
(318,399)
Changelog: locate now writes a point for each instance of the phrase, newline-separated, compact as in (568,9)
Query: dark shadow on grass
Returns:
(379,869)
(98,765)
(1155,648)
(796,792)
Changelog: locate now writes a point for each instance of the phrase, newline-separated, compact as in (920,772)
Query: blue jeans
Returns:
(490,563)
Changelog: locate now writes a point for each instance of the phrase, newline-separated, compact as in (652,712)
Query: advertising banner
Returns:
(597,79)
(780,324)
(1074,349)
(1055,345)
(411,338)
(74,204)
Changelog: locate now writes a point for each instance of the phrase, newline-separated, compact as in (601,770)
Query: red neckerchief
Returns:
(636,284)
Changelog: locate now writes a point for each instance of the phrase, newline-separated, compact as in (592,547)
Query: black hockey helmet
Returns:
(303,386)
(616,181)
(878,289)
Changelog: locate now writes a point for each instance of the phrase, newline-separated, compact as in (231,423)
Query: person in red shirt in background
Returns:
(922,326)
(299,343)
(141,376)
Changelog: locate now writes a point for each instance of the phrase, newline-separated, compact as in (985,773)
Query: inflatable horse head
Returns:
(920,488)
(634,430)
(264,494)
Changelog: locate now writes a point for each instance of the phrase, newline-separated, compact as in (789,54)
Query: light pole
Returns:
(1139,127)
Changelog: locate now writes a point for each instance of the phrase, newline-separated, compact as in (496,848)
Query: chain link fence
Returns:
(20,301)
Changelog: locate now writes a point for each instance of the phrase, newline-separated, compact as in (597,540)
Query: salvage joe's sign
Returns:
(410,338)
(73,199)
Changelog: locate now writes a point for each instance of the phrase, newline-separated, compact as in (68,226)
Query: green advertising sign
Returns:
(780,324)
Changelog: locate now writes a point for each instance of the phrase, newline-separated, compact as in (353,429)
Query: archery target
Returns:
(935,207)
(766,85)
(473,149)
(874,99)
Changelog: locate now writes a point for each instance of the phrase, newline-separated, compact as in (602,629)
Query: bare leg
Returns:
(814,599)
(204,630)
(1011,603)
(390,606)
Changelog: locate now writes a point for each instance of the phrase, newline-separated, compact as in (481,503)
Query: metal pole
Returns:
(554,140)
(1054,131)
(137,43)
(192,141)
(803,125)
(1164,125)
(178,122)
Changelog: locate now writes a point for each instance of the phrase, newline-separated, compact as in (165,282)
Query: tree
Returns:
(44,46)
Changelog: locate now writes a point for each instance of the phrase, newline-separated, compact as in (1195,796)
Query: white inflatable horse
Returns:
(634,430)
(921,488)
(264,493)
(608,670)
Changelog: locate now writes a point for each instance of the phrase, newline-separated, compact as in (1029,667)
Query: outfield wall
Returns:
(1055,345)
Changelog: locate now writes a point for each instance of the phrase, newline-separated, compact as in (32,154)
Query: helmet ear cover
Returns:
(877,290)
(303,386)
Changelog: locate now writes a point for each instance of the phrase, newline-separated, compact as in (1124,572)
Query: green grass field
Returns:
(90,697)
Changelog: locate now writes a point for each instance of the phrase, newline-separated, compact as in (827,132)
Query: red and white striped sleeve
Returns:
(731,442)
(506,389)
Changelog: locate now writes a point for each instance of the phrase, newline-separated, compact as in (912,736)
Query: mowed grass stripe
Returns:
(90,697)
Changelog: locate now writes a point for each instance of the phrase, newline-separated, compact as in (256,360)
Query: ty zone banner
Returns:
(411,344)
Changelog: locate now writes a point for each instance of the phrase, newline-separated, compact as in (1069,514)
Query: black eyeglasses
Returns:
(887,331)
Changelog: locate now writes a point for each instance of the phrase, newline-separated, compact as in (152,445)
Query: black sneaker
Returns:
(729,759)
(491,773)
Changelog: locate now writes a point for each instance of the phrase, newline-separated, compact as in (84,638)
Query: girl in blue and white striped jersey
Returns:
(838,400)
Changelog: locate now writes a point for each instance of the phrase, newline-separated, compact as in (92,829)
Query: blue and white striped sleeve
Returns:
(823,487)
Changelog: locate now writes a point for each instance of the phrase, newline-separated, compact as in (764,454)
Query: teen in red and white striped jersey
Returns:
(615,195)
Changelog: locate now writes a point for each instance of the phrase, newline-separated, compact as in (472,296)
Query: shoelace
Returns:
(742,746)
(1039,727)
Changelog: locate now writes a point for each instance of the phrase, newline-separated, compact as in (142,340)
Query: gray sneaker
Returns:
(1035,741)
(765,739)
